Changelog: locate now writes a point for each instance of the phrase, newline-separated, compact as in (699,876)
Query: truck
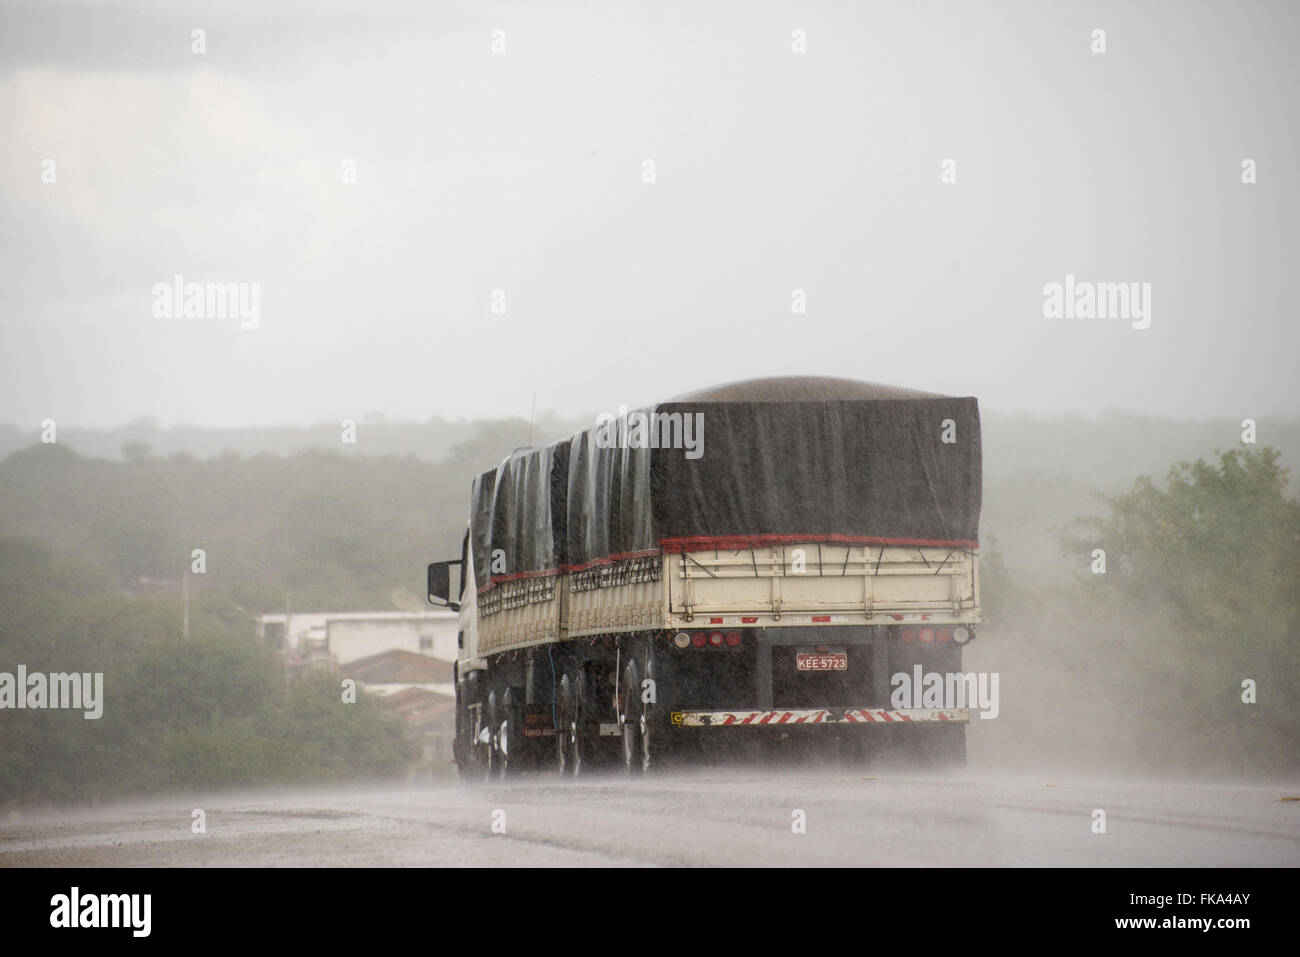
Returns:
(786,562)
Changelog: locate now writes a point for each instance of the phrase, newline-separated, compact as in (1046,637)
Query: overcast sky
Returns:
(524,171)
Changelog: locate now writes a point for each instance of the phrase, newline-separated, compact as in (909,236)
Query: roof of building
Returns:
(419,706)
(399,667)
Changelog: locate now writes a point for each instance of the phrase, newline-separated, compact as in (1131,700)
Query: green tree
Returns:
(1201,593)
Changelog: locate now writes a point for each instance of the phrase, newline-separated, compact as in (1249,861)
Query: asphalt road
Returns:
(735,817)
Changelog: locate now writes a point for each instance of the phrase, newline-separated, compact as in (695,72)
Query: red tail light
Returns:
(945,635)
(926,635)
(716,639)
(699,639)
(733,638)
(909,635)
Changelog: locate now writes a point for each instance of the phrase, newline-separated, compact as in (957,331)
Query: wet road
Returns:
(732,817)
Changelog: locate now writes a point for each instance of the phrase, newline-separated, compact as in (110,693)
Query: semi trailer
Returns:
(774,560)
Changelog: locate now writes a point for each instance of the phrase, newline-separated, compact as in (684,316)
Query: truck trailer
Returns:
(767,561)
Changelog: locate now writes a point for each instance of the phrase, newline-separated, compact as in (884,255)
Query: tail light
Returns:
(961,634)
(681,639)
(945,635)
(926,635)
(699,639)
(733,638)
(909,635)
(716,639)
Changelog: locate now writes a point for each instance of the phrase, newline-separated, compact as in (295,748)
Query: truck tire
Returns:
(641,750)
(460,750)
(654,741)
(583,737)
(632,720)
(510,738)
(934,748)
(563,726)
(492,763)
(859,747)
(476,763)
(951,747)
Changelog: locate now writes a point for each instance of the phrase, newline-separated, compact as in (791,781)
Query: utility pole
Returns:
(531,412)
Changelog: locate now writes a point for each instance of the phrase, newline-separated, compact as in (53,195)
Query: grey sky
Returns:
(522,172)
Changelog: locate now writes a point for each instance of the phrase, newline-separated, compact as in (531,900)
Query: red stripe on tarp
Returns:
(570,569)
(698,543)
(609,560)
(515,576)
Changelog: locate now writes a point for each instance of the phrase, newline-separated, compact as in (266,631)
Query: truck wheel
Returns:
(632,717)
(942,747)
(473,760)
(951,746)
(582,741)
(649,715)
(509,738)
(563,719)
(937,747)
(858,747)
(492,759)
(461,752)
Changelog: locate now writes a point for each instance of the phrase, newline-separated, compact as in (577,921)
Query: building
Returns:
(333,639)
(397,670)
(404,657)
(419,689)
(431,721)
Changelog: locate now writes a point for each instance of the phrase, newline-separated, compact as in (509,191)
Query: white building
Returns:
(344,637)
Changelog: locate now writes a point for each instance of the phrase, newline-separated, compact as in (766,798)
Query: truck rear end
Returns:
(777,560)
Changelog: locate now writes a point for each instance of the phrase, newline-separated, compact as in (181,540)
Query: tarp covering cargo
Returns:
(729,469)
(519,515)
(859,471)
(608,502)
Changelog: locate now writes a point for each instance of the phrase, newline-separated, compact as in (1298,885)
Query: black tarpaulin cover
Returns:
(480,523)
(519,516)
(712,471)
(874,471)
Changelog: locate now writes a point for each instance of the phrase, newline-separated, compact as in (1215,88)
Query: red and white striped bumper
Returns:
(715,719)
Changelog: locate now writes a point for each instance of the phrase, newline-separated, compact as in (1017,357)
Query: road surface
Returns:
(735,817)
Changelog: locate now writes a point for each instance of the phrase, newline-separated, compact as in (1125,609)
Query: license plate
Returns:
(821,661)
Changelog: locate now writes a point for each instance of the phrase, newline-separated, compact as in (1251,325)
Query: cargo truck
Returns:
(765,561)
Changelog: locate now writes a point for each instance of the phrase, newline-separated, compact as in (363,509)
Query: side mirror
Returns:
(439,589)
